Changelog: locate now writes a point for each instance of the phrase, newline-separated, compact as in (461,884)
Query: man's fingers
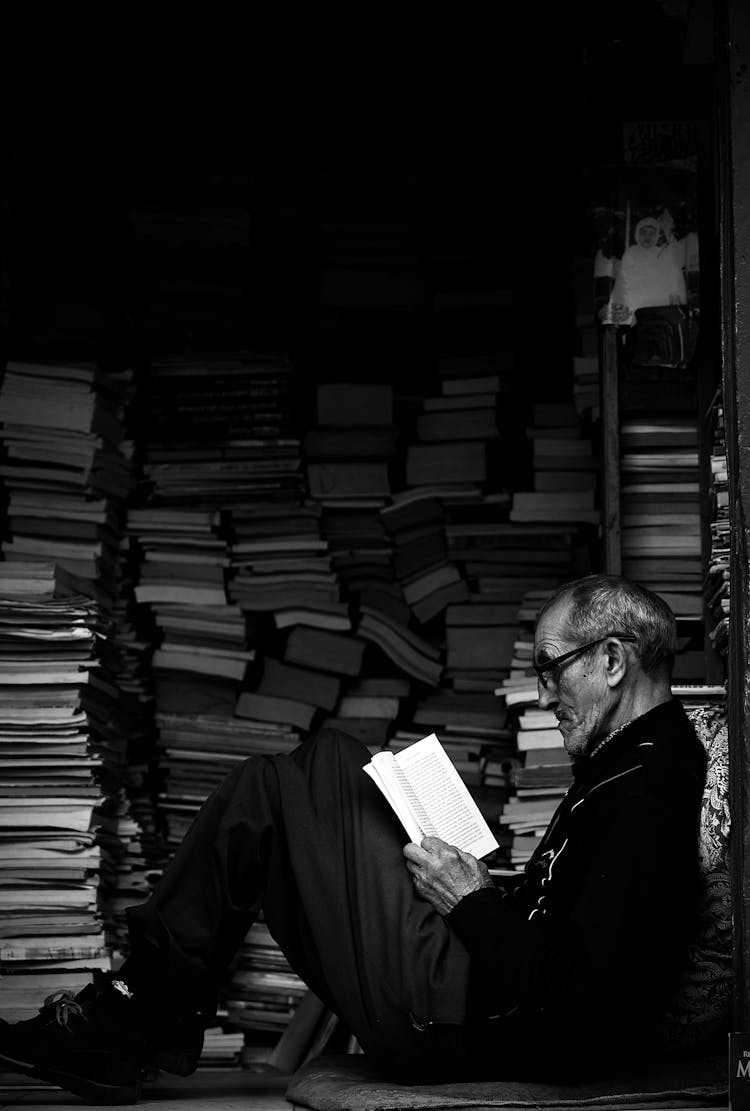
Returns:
(434,844)
(415,853)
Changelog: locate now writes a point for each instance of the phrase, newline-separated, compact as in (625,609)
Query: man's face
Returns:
(647,235)
(577,692)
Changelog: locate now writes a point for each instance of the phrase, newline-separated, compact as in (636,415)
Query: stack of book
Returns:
(543,541)
(661,523)
(661,541)
(314,569)
(201,655)
(503,559)
(124,870)
(127,873)
(546,537)
(285,694)
(131,648)
(280,567)
(223,431)
(717,591)
(369,708)
(282,580)
(565,470)
(68,472)
(340,654)
(182,558)
(67,467)
(431,591)
(456,431)
(199,749)
(541,778)
(411,652)
(262,992)
(444,464)
(519,695)
(240,469)
(181,577)
(221,1048)
(451,465)
(586,385)
(465,409)
(53,696)
(479,639)
(348,454)
(222,450)
(415,523)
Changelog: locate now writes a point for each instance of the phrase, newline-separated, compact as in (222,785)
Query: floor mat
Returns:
(348,1083)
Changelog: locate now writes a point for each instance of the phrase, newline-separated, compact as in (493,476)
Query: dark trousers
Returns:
(308,838)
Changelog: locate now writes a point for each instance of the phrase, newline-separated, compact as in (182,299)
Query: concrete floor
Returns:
(221,1089)
(218,1089)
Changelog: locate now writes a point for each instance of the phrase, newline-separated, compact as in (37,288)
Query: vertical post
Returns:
(610,450)
(733,194)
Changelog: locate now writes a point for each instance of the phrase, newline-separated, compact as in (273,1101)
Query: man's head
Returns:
(617,642)
(647,232)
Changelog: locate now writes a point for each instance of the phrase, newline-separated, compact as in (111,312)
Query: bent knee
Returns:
(334,748)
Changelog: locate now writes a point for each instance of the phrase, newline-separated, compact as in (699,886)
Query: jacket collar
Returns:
(630,744)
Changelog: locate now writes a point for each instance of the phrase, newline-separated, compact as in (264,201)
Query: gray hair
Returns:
(602,604)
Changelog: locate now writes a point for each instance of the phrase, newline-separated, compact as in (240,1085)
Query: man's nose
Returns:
(545,697)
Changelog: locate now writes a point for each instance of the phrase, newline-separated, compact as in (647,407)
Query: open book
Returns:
(429,796)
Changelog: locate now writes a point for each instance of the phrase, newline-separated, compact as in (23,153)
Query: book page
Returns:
(386,774)
(444,796)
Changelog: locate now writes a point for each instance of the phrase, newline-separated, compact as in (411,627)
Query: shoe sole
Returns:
(92,1091)
(176,1064)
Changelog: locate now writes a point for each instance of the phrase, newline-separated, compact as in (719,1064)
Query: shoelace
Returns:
(65,1005)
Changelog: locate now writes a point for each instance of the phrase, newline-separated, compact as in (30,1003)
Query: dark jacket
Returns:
(579,958)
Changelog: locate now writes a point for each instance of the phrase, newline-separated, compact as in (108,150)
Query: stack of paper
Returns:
(50,858)
(69,469)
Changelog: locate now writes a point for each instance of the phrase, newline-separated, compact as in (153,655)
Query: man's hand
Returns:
(443,874)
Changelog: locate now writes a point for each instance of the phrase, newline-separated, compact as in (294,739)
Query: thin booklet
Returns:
(429,796)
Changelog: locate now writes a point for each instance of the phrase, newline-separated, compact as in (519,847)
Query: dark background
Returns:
(170,186)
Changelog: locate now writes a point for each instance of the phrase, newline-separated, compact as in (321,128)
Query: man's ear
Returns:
(616,661)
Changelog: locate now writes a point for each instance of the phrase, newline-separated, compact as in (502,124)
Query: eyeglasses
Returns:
(550,670)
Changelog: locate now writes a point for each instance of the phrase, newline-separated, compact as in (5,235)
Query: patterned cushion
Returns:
(701,1011)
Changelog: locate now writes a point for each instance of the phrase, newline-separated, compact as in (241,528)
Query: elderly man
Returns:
(438,972)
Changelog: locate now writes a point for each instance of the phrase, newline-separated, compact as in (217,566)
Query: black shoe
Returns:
(88,1044)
